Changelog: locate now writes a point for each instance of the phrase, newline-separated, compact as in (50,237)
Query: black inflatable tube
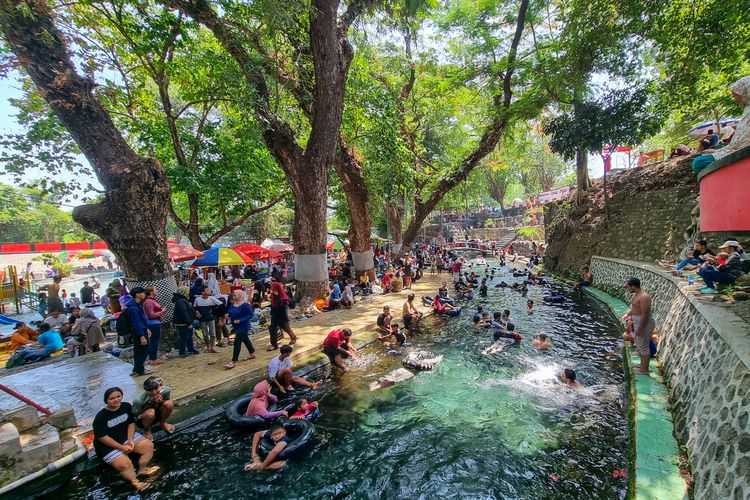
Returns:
(304,435)
(555,298)
(235,414)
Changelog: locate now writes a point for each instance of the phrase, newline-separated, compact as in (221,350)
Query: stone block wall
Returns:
(705,353)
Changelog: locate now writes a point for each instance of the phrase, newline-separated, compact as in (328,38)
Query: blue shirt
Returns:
(51,340)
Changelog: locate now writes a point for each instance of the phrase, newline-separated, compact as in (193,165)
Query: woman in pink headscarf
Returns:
(262,397)
(279,316)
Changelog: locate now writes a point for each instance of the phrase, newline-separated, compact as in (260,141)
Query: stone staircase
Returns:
(28,443)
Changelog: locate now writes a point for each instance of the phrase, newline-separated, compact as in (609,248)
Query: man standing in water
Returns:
(643,323)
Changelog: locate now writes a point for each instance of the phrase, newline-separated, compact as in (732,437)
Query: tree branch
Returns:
(227,228)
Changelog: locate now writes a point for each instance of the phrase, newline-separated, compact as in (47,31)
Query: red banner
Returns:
(15,248)
(48,247)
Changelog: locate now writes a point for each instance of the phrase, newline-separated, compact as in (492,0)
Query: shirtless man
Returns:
(643,323)
(411,314)
(384,321)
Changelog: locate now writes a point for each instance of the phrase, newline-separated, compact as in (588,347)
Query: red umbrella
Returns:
(181,253)
(257,251)
(281,248)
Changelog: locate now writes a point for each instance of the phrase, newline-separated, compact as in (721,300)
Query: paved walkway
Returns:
(204,375)
(657,455)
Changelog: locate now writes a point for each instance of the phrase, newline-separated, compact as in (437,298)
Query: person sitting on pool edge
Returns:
(337,346)
(443,294)
(280,372)
(384,321)
(569,378)
(412,316)
(279,437)
(153,406)
(542,342)
(115,438)
(586,278)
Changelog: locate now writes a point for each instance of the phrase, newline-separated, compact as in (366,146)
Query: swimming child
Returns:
(569,378)
(280,439)
(480,323)
(542,342)
(530,306)
(306,410)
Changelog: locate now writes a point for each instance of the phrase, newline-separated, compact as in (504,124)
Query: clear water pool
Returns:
(498,426)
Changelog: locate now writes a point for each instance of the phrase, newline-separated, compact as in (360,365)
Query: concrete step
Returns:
(24,418)
(10,442)
(40,447)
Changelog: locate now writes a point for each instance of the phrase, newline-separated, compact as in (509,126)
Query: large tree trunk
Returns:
(395,212)
(583,182)
(132,217)
(350,172)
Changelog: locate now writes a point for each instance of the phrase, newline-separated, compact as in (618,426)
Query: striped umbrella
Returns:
(219,256)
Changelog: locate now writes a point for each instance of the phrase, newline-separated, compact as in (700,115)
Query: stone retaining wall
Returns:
(705,354)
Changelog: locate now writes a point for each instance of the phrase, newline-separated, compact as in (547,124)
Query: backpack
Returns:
(124,329)
(16,359)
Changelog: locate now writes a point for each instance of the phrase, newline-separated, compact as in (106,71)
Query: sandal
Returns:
(294,341)
(248,358)
(229,365)
(272,348)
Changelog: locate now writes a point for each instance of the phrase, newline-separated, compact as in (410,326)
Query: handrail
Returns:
(26,400)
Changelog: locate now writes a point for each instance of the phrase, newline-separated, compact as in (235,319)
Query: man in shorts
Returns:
(643,322)
(280,372)
(153,406)
(337,346)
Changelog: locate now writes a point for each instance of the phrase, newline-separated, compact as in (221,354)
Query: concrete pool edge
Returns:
(655,456)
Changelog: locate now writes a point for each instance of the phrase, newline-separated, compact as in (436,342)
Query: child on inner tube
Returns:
(440,307)
(507,333)
(279,437)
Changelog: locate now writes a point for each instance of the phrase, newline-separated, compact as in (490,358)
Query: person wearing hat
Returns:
(725,273)
(136,315)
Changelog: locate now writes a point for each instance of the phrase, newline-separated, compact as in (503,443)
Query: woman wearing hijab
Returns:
(240,314)
(279,316)
(262,397)
(86,333)
(213,284)
(196,288)
(741,137)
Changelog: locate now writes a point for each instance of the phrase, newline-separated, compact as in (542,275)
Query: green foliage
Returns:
(620,118)
(62,268)
(531,232)
(28,216)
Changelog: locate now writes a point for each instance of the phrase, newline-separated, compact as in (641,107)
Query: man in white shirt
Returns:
(280,372)
(56,321)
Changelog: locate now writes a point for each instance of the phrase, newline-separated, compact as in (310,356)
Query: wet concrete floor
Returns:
(78,382)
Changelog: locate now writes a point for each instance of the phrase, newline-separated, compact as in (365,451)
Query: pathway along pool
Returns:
(478,426)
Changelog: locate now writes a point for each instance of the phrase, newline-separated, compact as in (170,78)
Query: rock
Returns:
(24,418)
(741,295)
(10,443)
(743,280)
(40,447)
(722,298)
(65,418)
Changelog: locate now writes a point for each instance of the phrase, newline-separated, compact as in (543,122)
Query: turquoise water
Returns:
(478,426)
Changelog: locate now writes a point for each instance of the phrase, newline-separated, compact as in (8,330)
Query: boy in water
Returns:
(280,439)
(530,306)
(542,342)
(569,378)
(483,288)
